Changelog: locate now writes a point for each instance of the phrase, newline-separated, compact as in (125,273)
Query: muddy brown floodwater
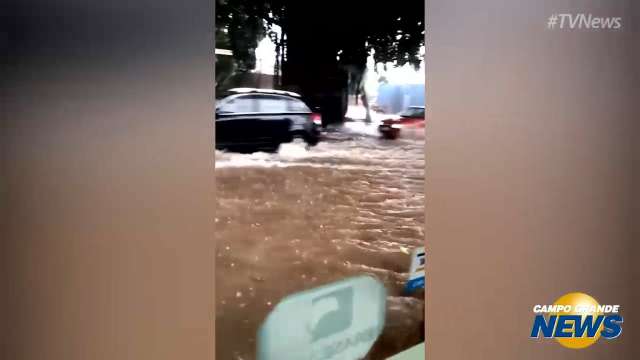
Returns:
(290,221)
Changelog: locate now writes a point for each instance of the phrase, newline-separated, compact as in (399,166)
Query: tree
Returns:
(327,42)
(225,65)
(239,27)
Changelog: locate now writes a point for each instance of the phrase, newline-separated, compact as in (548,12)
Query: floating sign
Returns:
(416,270)
(341,320)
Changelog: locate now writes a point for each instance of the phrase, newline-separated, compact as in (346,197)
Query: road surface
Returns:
(301,218)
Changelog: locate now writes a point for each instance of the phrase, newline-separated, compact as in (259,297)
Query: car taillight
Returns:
(316,118)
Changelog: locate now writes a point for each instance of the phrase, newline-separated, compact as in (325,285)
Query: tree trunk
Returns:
(311,68)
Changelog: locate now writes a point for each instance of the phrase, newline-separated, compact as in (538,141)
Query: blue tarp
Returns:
(395,98)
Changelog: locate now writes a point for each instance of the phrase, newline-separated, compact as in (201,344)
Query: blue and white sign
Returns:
(338,321)
(416,270)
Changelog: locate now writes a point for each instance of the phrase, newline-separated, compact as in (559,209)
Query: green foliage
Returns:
(393,30)
(399,36)
(239,27)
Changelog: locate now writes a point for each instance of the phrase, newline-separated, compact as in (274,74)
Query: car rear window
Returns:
(240,104)
(272,104)
(413,112)
(297,106)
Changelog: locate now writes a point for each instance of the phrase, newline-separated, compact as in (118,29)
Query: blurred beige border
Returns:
(530,191)
(106,218)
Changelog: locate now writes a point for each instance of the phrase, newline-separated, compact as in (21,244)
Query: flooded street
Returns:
(286,222)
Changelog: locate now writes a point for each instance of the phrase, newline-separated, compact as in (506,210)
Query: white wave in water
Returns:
(352,146)
(343,155)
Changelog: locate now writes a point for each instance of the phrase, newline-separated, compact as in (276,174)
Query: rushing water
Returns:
(298,219)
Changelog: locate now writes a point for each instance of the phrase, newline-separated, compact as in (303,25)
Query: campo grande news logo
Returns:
(576,321)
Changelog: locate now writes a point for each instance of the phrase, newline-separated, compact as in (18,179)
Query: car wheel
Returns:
(272,148)
(311,138)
